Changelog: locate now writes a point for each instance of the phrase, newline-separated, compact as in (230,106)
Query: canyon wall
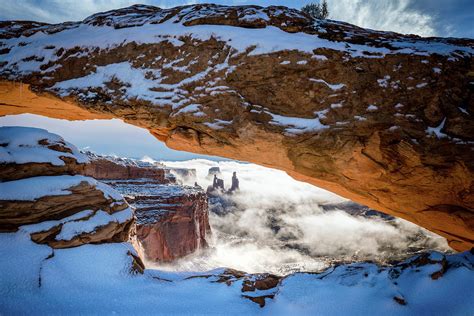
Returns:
(102,168)
(48,200)
(381,118)
(171,220)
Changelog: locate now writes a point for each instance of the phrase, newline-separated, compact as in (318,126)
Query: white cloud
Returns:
(280,227)
(387,15)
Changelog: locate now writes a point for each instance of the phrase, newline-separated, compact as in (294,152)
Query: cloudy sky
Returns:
(424,17)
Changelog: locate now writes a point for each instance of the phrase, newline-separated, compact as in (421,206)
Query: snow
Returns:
(365,289)
(372,108)
(384,82)
(336,105)
(333,87)
(30,189)
(463,110)
(399,106)
(437,130)
(297,125)
(360,118)
(190,108)
(20,145)
(285,62)
(217,124)
(302,62)
(96,279)
(72,229)
(436,70)
(47,225)
(422,85)
(264,40)
(136,85)
(320,57)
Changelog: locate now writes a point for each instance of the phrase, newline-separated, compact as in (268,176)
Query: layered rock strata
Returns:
(47,199)
(172,221)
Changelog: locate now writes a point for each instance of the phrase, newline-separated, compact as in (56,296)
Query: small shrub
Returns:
(317,10)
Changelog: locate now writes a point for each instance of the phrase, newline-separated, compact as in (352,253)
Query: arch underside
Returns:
(431,187)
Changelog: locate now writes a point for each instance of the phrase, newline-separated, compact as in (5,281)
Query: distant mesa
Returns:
(213,171)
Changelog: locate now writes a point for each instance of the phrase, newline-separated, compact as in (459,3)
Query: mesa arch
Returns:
(349,110)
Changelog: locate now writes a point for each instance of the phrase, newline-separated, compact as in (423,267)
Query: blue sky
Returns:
(107,137)
(424,17)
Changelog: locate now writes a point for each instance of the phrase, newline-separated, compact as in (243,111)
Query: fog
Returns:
(276,224)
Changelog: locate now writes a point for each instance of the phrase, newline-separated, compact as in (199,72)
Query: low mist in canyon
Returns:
(277,224)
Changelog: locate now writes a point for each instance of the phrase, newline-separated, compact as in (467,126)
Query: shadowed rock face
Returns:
(106,169)
(172,221)
(381,118)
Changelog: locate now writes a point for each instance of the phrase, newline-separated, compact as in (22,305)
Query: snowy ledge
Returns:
(31,189)
(23,145)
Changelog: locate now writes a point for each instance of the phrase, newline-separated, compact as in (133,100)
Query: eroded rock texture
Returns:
(46,197)
(381,118)
(171,221)
(105,168)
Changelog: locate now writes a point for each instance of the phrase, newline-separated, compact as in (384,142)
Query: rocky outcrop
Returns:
(102,168)
(172,221)
(29,152)
(381,118)
(48,200)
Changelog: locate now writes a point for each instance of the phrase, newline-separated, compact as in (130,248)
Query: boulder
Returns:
(28,152)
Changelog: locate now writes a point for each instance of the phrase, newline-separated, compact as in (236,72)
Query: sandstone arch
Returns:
(385,124)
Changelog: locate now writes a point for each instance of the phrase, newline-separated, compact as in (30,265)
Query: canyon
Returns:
(58,224)
(381,118)
(171,220)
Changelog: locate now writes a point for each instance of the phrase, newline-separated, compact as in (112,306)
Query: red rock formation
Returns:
(171,220)
(106,169)
(381,118)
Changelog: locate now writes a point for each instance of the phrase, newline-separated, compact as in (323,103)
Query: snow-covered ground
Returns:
(96,279)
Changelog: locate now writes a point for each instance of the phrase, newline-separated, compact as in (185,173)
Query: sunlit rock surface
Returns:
(48,200)
(381,118)
(101,167)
